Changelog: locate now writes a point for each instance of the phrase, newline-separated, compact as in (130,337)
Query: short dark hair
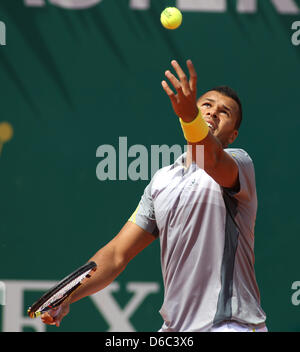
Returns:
(229,92)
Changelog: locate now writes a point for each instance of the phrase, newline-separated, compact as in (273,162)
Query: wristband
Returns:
(196,130)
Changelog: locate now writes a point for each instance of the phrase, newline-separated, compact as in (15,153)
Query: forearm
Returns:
(109,266)
(206,153)
(214,160)
(203,147)
(113,258)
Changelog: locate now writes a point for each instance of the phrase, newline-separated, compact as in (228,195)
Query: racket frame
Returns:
(33,309)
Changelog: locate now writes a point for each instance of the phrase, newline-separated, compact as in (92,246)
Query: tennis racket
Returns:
(55,296)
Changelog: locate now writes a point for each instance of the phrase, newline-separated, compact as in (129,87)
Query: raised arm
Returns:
(219,116)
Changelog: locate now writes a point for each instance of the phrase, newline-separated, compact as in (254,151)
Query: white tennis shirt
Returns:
(206,237)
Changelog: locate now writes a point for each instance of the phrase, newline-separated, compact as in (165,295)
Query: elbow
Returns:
(110,258)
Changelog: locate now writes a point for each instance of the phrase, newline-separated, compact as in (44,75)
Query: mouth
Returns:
(211,126)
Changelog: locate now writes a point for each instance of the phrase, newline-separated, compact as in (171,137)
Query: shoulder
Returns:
(238,152)
(240,156)
(247,187)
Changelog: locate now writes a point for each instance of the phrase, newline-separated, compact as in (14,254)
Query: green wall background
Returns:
(72,80)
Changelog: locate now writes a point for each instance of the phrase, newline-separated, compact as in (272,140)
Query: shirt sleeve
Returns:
(144,215)
(246,188)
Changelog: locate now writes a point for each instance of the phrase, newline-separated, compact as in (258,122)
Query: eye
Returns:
(225,112)
(207,104)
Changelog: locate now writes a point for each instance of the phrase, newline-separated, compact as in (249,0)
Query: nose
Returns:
(212,113)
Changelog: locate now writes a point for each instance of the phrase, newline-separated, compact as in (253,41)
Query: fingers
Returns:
(182,85)
(193,76)
(175,82)
(53,317)
(182,77)
(169,92)
(184,102)
(49,319)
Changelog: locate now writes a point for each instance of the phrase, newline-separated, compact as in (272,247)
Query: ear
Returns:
(233,136)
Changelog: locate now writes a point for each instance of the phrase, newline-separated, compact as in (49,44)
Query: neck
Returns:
(196,152)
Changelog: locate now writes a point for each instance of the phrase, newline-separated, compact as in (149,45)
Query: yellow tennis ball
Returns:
(6,132)
(171,18)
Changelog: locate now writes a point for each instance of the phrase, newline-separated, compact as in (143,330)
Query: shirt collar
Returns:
(180,161)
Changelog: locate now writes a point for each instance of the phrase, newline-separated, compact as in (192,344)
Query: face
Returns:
(221,114)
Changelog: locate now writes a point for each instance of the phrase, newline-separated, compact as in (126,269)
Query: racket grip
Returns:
(33,315)
(39,313)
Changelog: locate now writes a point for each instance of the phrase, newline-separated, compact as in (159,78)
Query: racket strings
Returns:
(64,292)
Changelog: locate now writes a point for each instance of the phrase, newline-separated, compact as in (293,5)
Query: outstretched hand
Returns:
(184,103)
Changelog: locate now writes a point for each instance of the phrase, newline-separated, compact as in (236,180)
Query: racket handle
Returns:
(33,315)
(39,313)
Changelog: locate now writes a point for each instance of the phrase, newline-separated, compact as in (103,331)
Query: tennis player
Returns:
(204,218)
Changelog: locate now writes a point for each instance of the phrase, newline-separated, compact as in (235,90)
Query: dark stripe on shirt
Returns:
(224,308)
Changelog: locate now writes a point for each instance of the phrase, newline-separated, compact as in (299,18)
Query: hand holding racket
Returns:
(55,316)
(54,304)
